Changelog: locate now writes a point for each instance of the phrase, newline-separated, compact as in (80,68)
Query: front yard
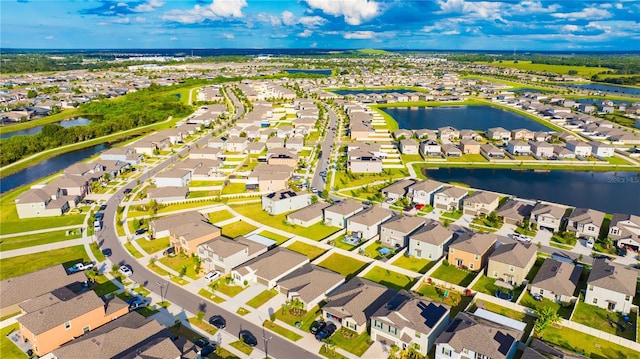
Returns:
(153,246)
(390,279)
(227,289)
(262,298)
(306,319)
(411,263)
(454,275)
(310,251)
(182,264)
(351,341)
(344,265)
(237,229)
(610,322)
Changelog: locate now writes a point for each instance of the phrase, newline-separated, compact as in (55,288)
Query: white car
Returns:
(520,237)
(213,275)
(125,270)
(78,267)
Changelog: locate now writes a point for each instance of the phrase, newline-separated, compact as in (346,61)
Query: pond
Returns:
(528,89)
(371,91)
(610,192)
(607,88)
(326,72)
(460,117)
(72,122)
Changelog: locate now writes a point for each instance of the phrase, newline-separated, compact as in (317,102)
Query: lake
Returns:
(607,88)
(326,72)
(610,192)
(370,91)
(49,166)
(528,89)
(460,117)
(72,122)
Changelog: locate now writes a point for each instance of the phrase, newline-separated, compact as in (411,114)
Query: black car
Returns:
(327,331)
(107,252)
(317,326)
(202,342)
(207,350)
(218,321)
(248,338)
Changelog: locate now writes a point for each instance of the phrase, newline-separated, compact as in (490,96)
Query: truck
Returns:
(78,267)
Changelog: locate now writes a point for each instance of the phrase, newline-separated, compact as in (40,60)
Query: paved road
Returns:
(278,347)
(318,181)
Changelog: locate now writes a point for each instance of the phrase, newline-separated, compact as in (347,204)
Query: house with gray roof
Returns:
(168,194)
(309,215)
(309,284)
(398,189)
(468,336)
(368,222)
(471,251)
(511,262)
(285,201)
(625,230)
(611,286)
(43,202)
(269,267)
(547,216)
(556,281)
(336,215)
(173,178)
(449,199)
(353,303)
(515,211)
(480,202)
(396,232)
(422,191)
(409,321)
(224,254)
(585,222)
(430,242)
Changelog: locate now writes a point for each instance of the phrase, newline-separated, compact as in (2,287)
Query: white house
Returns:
(336,215)
(368,222)
(611,286)
(518,148)
(430,241)
(601,149)
(285,201)
(449,199)
(422,192)
(579,148)
(173,178)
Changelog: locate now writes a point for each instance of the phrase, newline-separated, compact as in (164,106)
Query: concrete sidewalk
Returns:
(46,247)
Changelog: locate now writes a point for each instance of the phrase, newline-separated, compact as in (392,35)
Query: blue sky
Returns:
(388,24)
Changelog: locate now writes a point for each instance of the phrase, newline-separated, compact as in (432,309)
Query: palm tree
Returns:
(546,317)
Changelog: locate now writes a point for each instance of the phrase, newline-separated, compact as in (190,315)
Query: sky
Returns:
(557,25)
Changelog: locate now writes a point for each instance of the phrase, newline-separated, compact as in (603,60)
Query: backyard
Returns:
(376,251)
(219,216)
(450,297)
(412,263)
(237,229)
(454,275)
(586,344)
(610,322)
(563,310)
(488,286)
(276,237)
(15,266)
(390,279)
(344,265)
(310,251)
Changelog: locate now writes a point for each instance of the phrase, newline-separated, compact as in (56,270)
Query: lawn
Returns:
(595,317)
(452,215)
(305,319)
(155,245)
(452,298)
(371,251)
(344,180)
(207,294)
(242,347)
(97,252)
(237,229)
(187,205)
(316,232)
(15,266)
(104,285)
(31,240)
(7,348)
(558,69)
(226,289)
(282,331)
(219,216)
(454,275)
(351,341)
(184,331)
(390,279)
(134,252)
(522,317)
(276,237)
(412,263)
(234,187)
(262,298)
(203,325)
(146,311)
(563,310)
(485,285)
(159,270)
(310,251)
(344,265)
(589,345)
(179,262)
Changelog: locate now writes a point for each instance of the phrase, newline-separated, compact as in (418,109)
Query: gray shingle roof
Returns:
(426,185)
(405,310)
(18,289)
(613,276)
(345,207)
(373,216)
(559,277)
(432,233)
(310,281)
(477,243)
(359,298)
(310,212)
(586,216)
(275,262)
(515,254)
(404,224)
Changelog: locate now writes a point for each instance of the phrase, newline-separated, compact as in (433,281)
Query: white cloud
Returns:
(355,12)
(532,7)
(123,4)
(590,13)
(228,36)
(305,33)
(313,45)
(569,28)
(619,6)
(451,32)
(173,38)
(217,10)
(606,6)
(149,6)
(312,21)
(359,35)
(617,27)
(140,19)
(122,20)
(480,9)
(50,37)
(288,18)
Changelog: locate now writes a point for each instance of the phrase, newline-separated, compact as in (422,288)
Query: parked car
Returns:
(248,338)
(589,242)
(107,252)
(317,326)
(207,350)
(125,270)
(218,321)
(140,302)
(327,331)
(202,342)
(213,275)
(79,267)
(521,237)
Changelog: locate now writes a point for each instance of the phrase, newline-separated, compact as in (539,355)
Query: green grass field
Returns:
(153,246)
(237,229)
(419,265)
(261,298)
(310,251)
(454,275)
(15,266)
(583,71)
(31,240)
(390,279)
(344,265)
(276,237)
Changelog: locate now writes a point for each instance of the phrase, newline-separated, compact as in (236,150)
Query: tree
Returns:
(200,315)
(546,317)
(31,94)
(573,72)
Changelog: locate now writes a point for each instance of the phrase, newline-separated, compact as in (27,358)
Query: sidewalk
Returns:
(47,247)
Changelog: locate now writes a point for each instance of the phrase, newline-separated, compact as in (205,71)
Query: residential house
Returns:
(511,262)
(269,178)
(547,216)
(469,336)
(309,284)
(308,216)
(398,189)
(480,202)
(168,194)
(160,228)
(422,192)
(368,222)
(122,154)
(625,230)
(268,268)
(601,149)
(275,142)
(470,147)
(353,303)
(294,144)
(470,135)
(515,211)
(541,149)
(430,148)
(430,242)
(186,230)
(451,150)
(522,134)
(42,202)
(224,254)
(285,201)
(50,320)
(209,153)
(336,215)
(563,153)
(173,178)
(585,222)
(449,199)
(490,152)
(498,133)
(556,281)
(396,232)
(410,322)
(518,148)
(409,147)
(611,286)
(237,144)
(448,133)
(471,251)
(402,134)
(582,149)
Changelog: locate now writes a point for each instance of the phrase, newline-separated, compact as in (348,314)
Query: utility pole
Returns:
(162,285)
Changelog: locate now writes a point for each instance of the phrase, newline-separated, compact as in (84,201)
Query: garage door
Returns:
(263,281)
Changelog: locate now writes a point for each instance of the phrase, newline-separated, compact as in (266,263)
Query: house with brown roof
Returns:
(449,199)
(515,211)
(611,286)
(625,230)
(498,133)
(353,303)
(471,251)
(268,268)
(309,284)
(368,222)
(336,215)
(309,215)
(422,191)
(511,262)
(396,231)
(585,222)
(48,321)
(480,202)
(470,147)
(408,321)
(556,281)
(186,230)
(398,189)
(430,242)
(282,156)
(469,336)
(547,216)
(224,254)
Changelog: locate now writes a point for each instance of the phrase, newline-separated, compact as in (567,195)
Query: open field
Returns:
(583,71)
